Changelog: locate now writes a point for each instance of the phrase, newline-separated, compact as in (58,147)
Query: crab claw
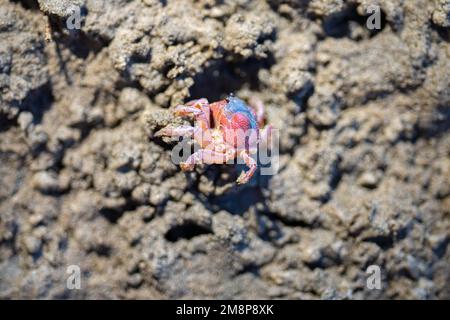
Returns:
(186,111)
(171,131)
(163,132)
(242,179)
(186,166)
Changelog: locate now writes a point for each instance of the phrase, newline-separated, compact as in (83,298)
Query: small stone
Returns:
(25,120)
(437,240)
(368,180)
(135,280)
(46,182)
(37,137)
(148,214)
(36,219)
(32,244)
(141,193)
(157,196)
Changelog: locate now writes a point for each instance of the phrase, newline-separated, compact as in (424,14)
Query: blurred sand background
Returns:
(364,117)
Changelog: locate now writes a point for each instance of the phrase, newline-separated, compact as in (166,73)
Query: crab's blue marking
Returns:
(236,105)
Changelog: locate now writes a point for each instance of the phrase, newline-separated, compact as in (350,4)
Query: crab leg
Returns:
(258,108)
(203,138)
(251,163)
(205,156)
(199,103)
(183,110)
(181,131)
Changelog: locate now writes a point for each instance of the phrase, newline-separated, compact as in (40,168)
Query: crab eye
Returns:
(240,121)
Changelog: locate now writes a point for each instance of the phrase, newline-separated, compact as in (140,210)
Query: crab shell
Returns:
(237,123)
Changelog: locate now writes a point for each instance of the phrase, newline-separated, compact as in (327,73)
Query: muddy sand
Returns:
(364,177)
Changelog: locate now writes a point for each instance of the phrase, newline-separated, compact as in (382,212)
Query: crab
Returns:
(224,130)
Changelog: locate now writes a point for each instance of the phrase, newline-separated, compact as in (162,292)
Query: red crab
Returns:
(225,129)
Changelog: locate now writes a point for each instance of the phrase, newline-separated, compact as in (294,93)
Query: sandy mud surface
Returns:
(364,178)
